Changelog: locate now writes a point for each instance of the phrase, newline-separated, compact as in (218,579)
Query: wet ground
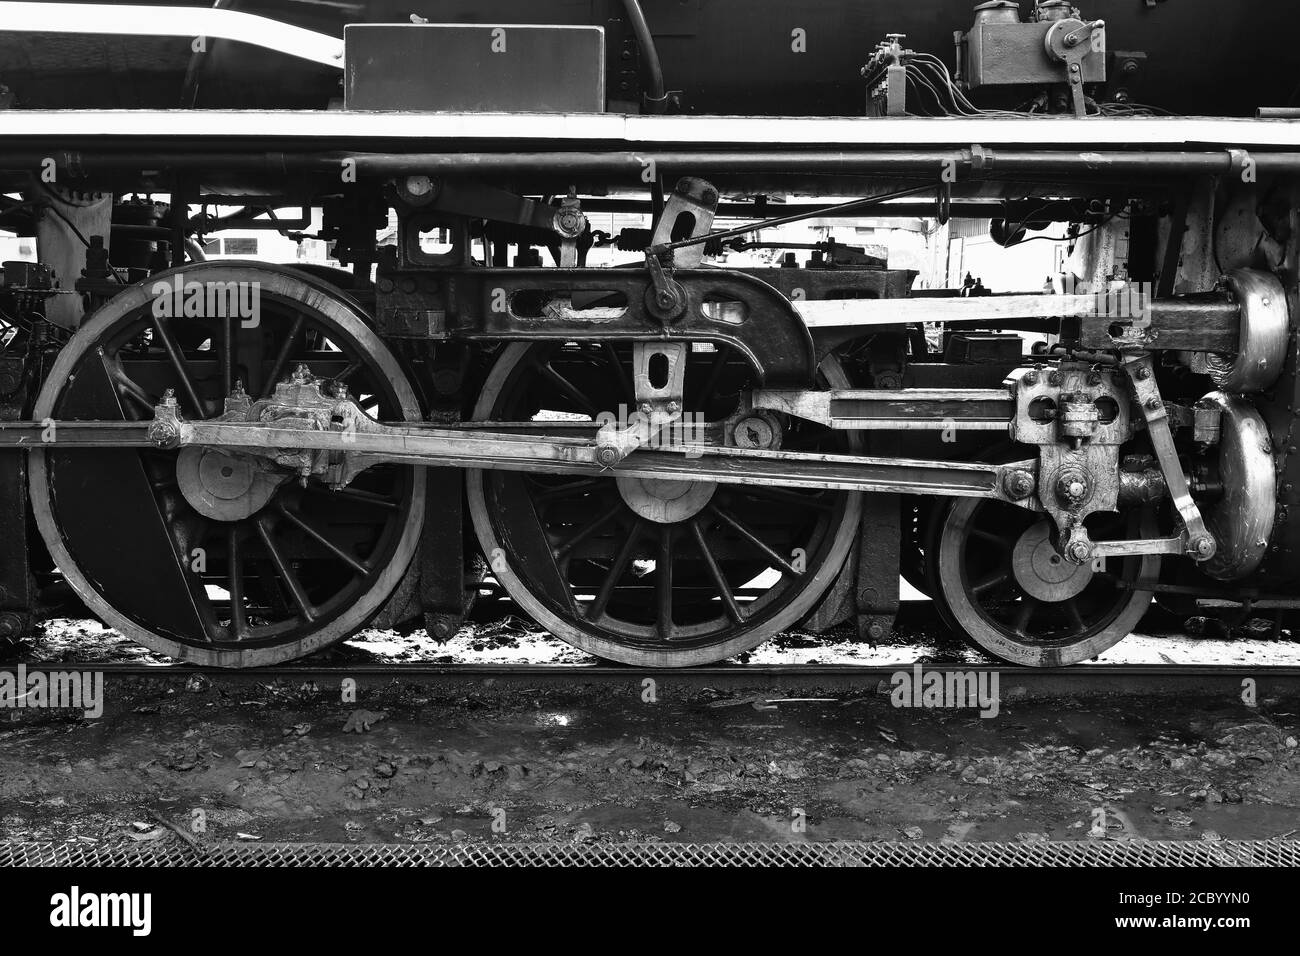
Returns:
(294,762)
(280,762)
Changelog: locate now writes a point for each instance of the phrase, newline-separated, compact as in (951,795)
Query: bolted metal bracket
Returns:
(1077,415)
(659,378)
(665,299)
(1197,541)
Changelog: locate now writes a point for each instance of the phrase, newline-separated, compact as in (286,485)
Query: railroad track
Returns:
(782,681)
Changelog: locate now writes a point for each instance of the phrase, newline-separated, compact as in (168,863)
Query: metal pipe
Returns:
(656,97)
(929,162)
(853,204)
(1051,211)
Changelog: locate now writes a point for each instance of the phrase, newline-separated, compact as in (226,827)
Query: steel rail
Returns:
(1014,682)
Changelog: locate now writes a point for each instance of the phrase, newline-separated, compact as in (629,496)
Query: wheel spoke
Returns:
(719,580)
(282,568)
(569,489)
(664,583)
(597,607)
(127,387)
(715,375)
(357,495)
(996,540)
(228,355)
(1072,612)
(568,389)
(995,580)
(282,357)
(588,530)
(235,585)
(348,371)
(748,534)
(624,380)
(819,502)
(181,367)
(324,542)
(1024,614)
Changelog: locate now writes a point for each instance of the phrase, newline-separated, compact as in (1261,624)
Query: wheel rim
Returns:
(305,568)
(658,585)
(1001,589)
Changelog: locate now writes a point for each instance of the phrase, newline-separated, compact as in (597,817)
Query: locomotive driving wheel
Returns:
(203,554)
(1005,588)
(651,572)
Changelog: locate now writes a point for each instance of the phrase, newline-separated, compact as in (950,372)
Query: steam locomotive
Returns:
(588,328)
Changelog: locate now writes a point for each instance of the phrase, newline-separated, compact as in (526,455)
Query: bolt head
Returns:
(1019,484)
(569,222)
(164,433)
(419,185)
(1079,552)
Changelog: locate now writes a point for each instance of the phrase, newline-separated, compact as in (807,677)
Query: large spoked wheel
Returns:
(653,573)
(1003,586)
(206,555)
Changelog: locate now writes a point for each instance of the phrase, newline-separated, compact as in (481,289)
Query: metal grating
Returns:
(1101,853)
